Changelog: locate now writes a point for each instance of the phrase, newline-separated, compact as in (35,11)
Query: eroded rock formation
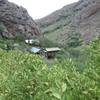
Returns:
(15,20)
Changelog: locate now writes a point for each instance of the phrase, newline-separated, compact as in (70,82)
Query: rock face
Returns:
(82,17)
(87,22)
(14,20)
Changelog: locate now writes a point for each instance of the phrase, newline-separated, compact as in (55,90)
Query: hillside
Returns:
(15,21)
(82,17)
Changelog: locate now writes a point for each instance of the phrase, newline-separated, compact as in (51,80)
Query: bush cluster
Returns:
(24,76)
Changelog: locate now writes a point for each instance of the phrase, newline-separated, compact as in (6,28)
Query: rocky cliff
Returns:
(82,17)
(15,20)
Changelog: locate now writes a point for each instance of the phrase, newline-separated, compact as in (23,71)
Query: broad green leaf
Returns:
(64,86)
(56,95)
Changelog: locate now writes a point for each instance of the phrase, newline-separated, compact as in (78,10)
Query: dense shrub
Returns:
(17,70)
(20,37)
(44,42)
(74,39)
(24,76)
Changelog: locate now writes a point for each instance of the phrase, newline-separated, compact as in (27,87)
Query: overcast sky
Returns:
(40,8)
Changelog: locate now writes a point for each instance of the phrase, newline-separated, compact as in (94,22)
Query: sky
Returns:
(41,8)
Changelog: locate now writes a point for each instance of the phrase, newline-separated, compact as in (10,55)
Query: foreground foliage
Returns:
(24,76)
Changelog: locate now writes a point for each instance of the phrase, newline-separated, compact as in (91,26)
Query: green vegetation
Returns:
(59,24)
(1,28)
(19,38)
(19,43)
(74,39)
(24,76)
(14,43)
(44,42)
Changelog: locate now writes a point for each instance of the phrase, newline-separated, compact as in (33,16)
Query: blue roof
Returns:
(35,50)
